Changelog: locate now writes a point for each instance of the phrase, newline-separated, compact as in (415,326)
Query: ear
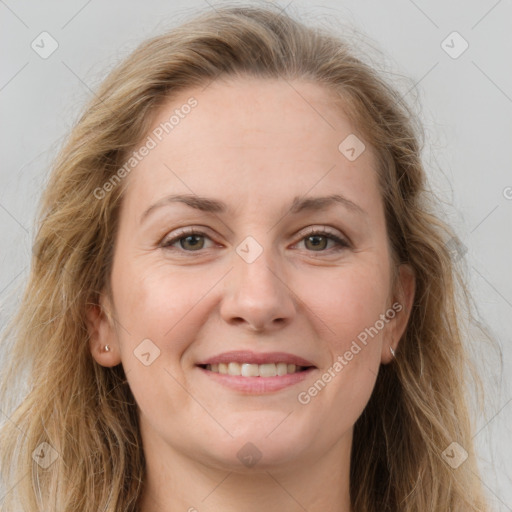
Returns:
(401,307)
(102,332)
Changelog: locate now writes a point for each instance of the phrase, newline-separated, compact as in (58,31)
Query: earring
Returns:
(392,351)
(107,348)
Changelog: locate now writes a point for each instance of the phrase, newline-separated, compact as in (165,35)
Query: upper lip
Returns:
(245,356)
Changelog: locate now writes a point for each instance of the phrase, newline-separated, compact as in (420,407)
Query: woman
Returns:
(239,295)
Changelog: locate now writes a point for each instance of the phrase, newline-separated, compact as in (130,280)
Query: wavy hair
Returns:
(87,413)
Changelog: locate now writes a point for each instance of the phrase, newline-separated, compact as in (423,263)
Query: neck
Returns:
(175,482)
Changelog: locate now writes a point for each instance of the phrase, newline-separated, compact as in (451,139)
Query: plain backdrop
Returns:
(451,60)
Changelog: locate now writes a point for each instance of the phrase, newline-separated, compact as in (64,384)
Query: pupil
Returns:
(317,243)
(196,237)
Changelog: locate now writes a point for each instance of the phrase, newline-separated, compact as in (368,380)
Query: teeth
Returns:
(250,370)
(254,370)
(234,369)
(268,370)
(282,369)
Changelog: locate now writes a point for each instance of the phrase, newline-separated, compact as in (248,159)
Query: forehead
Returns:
(252,140)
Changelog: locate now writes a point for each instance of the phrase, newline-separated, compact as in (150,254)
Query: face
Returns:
(252,274)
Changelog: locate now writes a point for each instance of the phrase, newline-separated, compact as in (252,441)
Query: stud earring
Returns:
(107,348)
(392,351)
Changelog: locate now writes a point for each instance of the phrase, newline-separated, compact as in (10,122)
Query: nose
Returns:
(257,294)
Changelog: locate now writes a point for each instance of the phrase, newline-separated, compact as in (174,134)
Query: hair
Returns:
(87,412)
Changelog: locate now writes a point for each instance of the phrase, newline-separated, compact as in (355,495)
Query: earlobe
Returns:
(102,339)
(404,300)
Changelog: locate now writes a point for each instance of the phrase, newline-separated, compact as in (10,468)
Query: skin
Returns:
(254,144)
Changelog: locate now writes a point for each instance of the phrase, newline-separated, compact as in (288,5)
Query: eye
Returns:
(189,240)
(318,239)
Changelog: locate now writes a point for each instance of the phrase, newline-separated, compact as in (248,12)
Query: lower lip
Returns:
(258,385)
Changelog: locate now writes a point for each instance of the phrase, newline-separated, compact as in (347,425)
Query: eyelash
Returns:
(186,232)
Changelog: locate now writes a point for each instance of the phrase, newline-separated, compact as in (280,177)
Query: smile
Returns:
(256,373)
(254,370)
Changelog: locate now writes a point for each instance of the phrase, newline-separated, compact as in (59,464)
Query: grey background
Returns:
(465,104)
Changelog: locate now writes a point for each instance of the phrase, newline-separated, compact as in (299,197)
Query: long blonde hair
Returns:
(86,413)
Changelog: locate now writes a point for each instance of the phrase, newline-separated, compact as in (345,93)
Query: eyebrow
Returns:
(298,205)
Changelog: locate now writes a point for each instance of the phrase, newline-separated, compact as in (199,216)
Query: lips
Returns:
(247,357)
(253,373)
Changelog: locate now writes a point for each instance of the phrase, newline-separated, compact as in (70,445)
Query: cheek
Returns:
(153,308)
(350,306)
(157,311)
(347,302)
(154,300)
(349,309)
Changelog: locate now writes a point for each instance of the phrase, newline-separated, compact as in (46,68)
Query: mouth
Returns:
(254,370)
(256,373)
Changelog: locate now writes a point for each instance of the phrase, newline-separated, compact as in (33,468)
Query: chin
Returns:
(253,449)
